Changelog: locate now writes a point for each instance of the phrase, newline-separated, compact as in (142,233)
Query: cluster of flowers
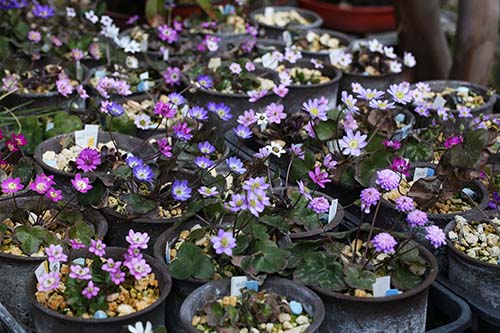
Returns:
(42,184)
(106,86)
(65,88)
(13,143)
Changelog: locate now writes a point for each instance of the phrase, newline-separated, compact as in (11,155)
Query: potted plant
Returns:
(99,288)
(318,43)
(371,64)
(29,225)
(291,306)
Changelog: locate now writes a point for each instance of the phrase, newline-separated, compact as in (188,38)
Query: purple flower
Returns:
(304,190)
(138,268)
(263,153)
(381,104)
(164,109)
(34,36)
(296,149)
(133,161)
(349,102)
(198,113)
(393,144)
(97,247)
(494,203)
(137,239)
(88,160)
(384,242)
(64,87)
(115,109)
(319,177)
(118,277)
(320,205)
(369,197)
(42,183)
(81,184)
(255,95)
(208,192)
(401,165)
(164,147)
(80,273)
(12,185)
(82,92)
(76,244)
(222,111)
(182,131)
(42,11)
(452,141)
(255,204)
(55,253)
(90,291)
(280,90)
(77,54)
(176,98)
(206,148)
(143,173)
(132,19)
(237,203)
(49,282)
(203,162)
(405,204)
(255,184)
(111,266)
(235,68)
(132,252)
(400,92)
(352,144)
(180,190)
(464,112)
(243,132)
(167,34)
(248,118)
(316,109)
(274,113)
(417,218)
(172,76)
(224,242)
(236,165)
(205,81)
(250,66)
(387,179)
(435,235)
(54,195)
(369,94)
(95,51)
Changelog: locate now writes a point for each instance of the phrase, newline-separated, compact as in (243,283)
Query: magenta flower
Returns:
(319,177)
(55,253)
(88,160)
(172,76)
(320,205)
(80,273)
(387,179)
(54,195)
(182,131)
(164,109)
(12,185)
(167,34)
(90,290)
(316,109)
(76,244)
(64,87)
(42,183)
(224,242)
(82,92)
(274,113)
(352,144)
(138,268)
(435,235)
(49,282)
(401,165)
(393,144)
(97,247)
(405,204)
(81,184)
(369,197)
(452,141)
(384,242)
(417,218)
(137,239)
(164,147)
(111,266)
(118,277)
(280,90)
(296,149)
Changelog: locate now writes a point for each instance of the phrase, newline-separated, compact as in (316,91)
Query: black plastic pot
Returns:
(405,312)
(180,288)
(51,100)
(379,82)
(271,31)
(49,321)
(293,291)
(16,270)
(127,143)
(324,56)
(299,94)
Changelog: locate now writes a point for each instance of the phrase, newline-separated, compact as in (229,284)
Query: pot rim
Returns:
(161,272)
(483,90)
(41,148)
(385,9)
(429,279)
(42,258)
(320,311)
(307,64)
(462,256)
(317,22)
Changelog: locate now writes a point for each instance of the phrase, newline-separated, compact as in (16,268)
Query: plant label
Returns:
(268,61)
(333,210)
(143,86)
(166,54)
(54,267)
(392,292)
(99,74)
(287,37)
(144,45)
(381,285)
(80,138)
(91,134)
(167,253)
(42,269)
(50,125)
(469,192)
(400,118)
(252,285)
(422,173)
(462,90)
(333,146)
(79,261)
(214,63)
(268,11)
(144,76)
(238,283)
(404,132)
(438,103)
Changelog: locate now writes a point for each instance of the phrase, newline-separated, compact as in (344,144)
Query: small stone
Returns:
(287,325)
(125,309)
(301,320)
(471,239)
(112,297)
(99,314)
(284,317)
(296,307)
(494,251)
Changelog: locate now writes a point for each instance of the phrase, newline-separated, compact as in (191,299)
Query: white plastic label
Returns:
(166,54)
(42,269)
(381,285)
(268,11)
(214,63)
(287,37)
(237,283)
(438,103)
(268,61)
(333,210)
(91,135)
(80,138)
(167,253)
(422,173)
(144,76)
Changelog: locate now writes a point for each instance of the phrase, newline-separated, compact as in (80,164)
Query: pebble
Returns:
(99,314)
(125,309)
(296,308)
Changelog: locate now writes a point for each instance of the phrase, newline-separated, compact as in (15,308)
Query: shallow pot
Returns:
(353,19)
(299,94)
(293,291)
(405,312)
(272,31)
(16,270)
(49,321)
(379,82)
(51,101)
(324,56)
(475,277)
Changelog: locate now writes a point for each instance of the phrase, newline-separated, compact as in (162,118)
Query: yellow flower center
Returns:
(353,144)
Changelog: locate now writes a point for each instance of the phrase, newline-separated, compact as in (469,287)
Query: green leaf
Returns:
(403,278)
(325,130)
(136,204)
(276,221)
(82,231)
(319,269)
(24,169)
(121,124)
(271,259)
(417,151)
(368,166)
(3,230)
(32,130)
(64,123)
(300,168)
(204,267)
(30,238)
(94,196)
(357,278)
(123,172)
(191,262)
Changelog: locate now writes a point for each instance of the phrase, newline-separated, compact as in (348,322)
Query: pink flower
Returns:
(80,273)
(164,147)
(316,109)
(82,92)
(248,118)
(274,113)
(319,177)
(401,165)
(164,109)
(393,144)
(280,90)
(64,87)
(235,68)
(54,195)
(55,253)
(34,36)
(117,277)
(138,268)
(111,266)
(452,141)
(97,247)
(224,242)
(81,184)
(255,95)
(90,290)
(369,197)
(12,185)
(42,183)
(49,282)
(417,218)
(137,239)
(76,244)
(88,160)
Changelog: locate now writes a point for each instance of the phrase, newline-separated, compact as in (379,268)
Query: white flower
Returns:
(292,55)
(212,43)
(111,31)
(339,58)
(91,16)
(106,20)
(276,149)
(132,47)
(389,52)
(70,12)
(395,66)
(132,62)
(268,61)
(409,59)
(375,46)
(262,120)
(139,328)
(142,121)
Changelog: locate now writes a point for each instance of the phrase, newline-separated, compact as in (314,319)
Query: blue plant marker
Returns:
(392,292)
(400,118)
(99,314)
(252,285)
(143,86)
(296,307)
